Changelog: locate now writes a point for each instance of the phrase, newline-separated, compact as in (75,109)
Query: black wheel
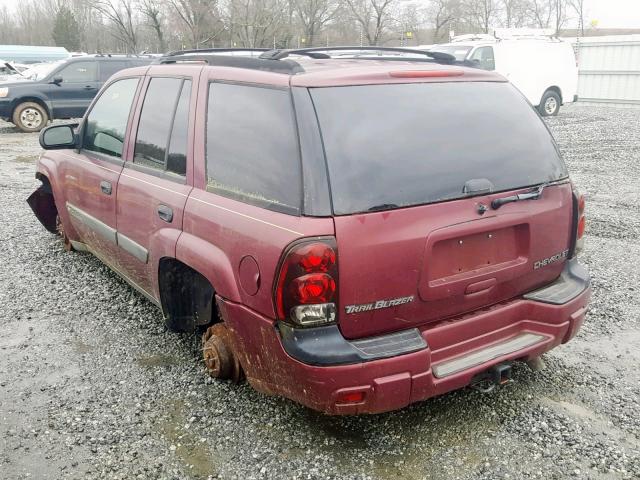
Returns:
(550,104)
(30,117)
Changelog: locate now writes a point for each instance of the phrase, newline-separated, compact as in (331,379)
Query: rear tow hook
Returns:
(495,376)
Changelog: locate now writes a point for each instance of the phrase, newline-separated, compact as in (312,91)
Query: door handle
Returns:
(89,87)
(165,213)
(105,187)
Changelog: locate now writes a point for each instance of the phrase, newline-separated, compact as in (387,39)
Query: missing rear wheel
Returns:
(219,357)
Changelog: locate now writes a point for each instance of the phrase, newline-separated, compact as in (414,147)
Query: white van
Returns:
(543,68)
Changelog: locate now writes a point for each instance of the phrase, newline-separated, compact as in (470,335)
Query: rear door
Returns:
(156,180)
(246,206)
(71,97)
(413,170)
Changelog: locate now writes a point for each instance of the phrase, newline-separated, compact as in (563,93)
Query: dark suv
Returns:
(355,234)
(62,89)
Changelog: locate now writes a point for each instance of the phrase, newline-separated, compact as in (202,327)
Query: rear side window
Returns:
(252,147)
(108,68)
(177,156)
(106,123)
(161,142)
(391,146)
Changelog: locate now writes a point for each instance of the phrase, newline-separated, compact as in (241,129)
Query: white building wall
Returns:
(609,69)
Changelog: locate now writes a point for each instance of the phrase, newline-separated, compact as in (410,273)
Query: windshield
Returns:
(458,51)
(399,145)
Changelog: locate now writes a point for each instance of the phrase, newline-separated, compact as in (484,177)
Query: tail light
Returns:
(579,220)
(307,289)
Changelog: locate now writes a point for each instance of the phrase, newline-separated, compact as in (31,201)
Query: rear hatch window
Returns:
(392,146)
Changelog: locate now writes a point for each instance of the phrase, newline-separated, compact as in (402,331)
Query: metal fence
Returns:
(609,70)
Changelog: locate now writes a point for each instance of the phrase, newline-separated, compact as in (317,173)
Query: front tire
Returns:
(30,117)
(550,104)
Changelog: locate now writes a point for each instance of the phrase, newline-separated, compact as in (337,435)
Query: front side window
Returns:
(252,147)
(106,124)
(483,57)
(79,72)
(161,142)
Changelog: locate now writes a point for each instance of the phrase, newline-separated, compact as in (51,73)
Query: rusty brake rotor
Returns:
(219,357)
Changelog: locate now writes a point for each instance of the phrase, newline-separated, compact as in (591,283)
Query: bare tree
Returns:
(559,14)
(314,15)
(372,16)
(514,12)
(256,23)
(578,7)
(442,14)
(480,14)
(539,13)
(120,13)
(33,22)
(549,13)
(128,25)
(151,10)
(410,21)
(201,18)
(7,26)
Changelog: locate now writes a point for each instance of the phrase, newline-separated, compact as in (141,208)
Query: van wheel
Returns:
(550,104)
(30,117)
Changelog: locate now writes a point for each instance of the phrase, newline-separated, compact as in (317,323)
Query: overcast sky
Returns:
(608,13)
(613,13)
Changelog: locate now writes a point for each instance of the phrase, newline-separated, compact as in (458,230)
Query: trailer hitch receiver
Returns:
(497,375)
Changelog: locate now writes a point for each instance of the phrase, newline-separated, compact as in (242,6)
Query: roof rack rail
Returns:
(319,52)
(212,56)
(120,55)
(215,50)
(472,37)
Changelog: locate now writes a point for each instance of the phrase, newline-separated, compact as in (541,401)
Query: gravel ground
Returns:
(92,386)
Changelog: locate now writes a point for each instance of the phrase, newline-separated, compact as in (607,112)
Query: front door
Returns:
(155,182)
(72,96)
(91,176)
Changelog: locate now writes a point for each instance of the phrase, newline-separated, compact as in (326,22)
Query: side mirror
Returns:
(57,80)
(57,137)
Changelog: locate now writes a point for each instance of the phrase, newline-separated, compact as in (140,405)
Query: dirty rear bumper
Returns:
(277,361)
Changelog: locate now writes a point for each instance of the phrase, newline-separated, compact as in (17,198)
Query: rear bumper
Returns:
(279,361)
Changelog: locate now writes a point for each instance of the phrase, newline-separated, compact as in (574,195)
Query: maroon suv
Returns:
(355,234)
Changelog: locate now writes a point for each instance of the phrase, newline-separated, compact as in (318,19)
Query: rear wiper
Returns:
(533,194)
(382,206)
